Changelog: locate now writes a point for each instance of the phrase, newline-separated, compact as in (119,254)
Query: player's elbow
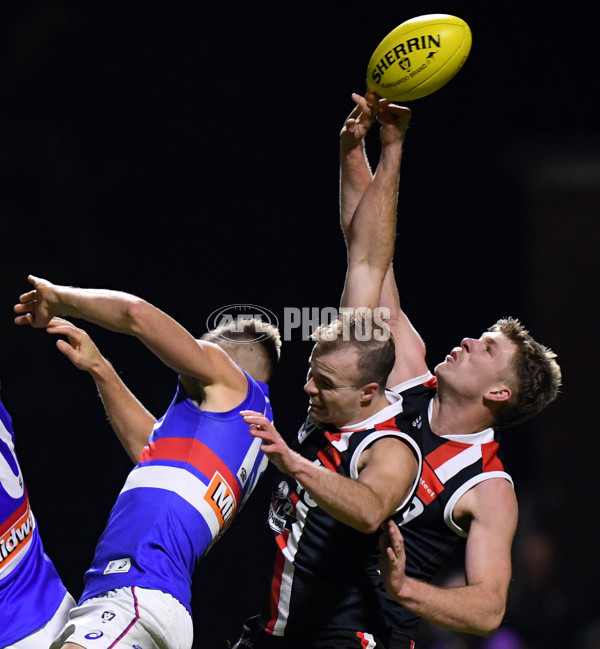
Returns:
(491,621)
(137,314)
(367,527)
(370,521)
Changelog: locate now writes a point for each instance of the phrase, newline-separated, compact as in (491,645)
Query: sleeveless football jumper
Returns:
(452,464)
(191,480)
(320,581)
(30,589)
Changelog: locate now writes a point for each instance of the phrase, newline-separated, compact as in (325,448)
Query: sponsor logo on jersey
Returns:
(221,498)
(118,565)
(18,535)
(429,486)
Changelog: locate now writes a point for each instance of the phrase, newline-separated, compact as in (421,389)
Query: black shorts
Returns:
(400,641)
(253,637)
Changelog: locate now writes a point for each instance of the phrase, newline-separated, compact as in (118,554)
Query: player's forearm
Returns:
(347,500)
(109,309)
(355,177)
(372,231)
(131,422)
(466,609)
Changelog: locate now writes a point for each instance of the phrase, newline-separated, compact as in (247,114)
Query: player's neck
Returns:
(451,417)
(363,413)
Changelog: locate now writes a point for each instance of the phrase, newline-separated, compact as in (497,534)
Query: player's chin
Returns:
(318,413)
(441,368)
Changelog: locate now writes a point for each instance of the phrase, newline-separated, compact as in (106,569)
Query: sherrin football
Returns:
(419,57)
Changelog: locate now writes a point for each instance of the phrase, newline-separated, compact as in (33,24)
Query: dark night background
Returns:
(188,152)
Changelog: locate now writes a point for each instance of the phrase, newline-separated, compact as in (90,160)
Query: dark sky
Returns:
(188,152)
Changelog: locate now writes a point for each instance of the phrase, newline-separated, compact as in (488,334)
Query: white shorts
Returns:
(45,634)
(136,617)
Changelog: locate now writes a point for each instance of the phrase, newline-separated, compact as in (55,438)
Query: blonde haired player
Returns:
(195,466)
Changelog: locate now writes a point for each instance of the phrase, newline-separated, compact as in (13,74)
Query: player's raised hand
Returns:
(80,348)
(394,120)
(360,120)
(35,307)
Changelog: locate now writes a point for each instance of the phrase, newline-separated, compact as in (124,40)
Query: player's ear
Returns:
(498,393)
(368,393)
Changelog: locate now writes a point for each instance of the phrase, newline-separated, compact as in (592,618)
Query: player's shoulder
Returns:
(491,498)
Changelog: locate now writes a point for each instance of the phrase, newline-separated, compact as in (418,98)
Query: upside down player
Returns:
(343,475)
(33,600)
(502,378)
(195,466)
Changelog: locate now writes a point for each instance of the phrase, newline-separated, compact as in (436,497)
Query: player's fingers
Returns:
(24,319)
(397,109)
(71,332)
(58,320)
(398,544)
(27,297)
(59,325)
(355,112)
(67,349)
(365,107)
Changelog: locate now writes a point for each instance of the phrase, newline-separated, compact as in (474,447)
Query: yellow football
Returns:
(419,57)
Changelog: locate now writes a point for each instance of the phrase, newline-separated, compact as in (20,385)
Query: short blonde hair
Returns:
(376,352)
(537,374)
(252,330)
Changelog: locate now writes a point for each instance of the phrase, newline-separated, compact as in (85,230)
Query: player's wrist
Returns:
(405,591)
(58,299)
(352,145)
(101,370)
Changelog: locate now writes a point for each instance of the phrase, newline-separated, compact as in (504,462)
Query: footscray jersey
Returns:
(192,478)
(30,589)
(452,464)
(320,579)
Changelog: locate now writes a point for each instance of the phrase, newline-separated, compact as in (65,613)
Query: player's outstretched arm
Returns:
(129,419)
(410,348)
(387,471)
(355,171)
(479,606)
(370,229)
(362,229)
(204,364)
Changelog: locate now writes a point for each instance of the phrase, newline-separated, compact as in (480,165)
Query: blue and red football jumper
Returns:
(192,478)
